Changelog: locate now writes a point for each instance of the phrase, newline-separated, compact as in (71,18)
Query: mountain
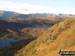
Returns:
(14,15)
(65,15)
(60,37)
(34,39)
(4,15)
(10,14)
(41,22)
(41,15)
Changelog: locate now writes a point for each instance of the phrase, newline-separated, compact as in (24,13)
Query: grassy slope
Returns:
(59,37)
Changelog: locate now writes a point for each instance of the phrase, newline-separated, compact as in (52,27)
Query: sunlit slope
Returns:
(61,36)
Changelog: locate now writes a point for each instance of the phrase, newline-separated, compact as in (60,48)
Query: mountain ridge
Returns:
(15,15)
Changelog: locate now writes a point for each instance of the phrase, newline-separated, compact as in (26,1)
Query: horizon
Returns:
(37,13)
(44,6)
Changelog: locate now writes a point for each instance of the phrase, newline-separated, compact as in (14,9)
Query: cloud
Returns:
(29,8)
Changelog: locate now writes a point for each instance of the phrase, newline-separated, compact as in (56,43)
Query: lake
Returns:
(7,42)
(39,27)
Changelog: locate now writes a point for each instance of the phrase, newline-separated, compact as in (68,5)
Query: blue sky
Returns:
(39,6)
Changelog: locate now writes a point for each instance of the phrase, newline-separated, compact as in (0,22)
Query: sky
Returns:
(39,6)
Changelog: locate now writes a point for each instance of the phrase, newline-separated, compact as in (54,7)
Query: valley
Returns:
(35,34)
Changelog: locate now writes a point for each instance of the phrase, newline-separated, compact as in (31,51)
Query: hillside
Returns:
(61,36)
(30,29)
(13,41)
(15,25)
(18,24)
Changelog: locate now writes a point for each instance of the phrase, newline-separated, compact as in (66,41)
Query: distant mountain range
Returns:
(15,15)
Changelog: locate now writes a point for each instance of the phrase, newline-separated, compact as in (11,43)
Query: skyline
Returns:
(39,6)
